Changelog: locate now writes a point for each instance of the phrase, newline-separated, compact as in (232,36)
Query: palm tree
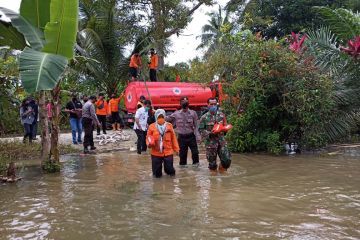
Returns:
(213,31)
(327,46)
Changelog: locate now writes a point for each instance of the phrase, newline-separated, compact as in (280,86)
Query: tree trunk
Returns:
(44,122)
(55,128)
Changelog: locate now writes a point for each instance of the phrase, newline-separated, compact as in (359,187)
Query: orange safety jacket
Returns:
(135,61)
(153,62)
(105,108)
(114,104)
(170,143)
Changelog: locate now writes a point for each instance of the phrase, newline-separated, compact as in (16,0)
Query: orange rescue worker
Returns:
(135,64)
(162,140)
(153,65)
(114,111)
(101,112)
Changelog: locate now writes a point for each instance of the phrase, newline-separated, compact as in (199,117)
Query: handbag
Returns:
(78,113)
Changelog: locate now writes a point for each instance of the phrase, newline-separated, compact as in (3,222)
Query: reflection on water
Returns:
(113,196)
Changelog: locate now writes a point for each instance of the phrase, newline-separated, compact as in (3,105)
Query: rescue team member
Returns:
(114,111)
(140,126)
(74,108)
(101,112)
(89,119)
(153,65)
(163,144)
(215,143)
(140,103)
(186,121)
(135,64)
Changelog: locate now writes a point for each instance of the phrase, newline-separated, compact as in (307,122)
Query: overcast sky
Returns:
(183,47)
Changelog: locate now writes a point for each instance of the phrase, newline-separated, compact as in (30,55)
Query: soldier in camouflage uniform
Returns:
(215,143)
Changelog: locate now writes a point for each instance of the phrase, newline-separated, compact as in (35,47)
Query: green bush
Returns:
(283,98)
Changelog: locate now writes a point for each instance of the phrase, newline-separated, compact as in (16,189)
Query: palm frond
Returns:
(322,44)
(342,22)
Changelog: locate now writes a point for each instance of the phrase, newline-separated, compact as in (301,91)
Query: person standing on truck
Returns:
(89,119)
(163,144)
(101,112)
(153,65)
(215,142)
(114,111)
(140,126)
(135,65)
(186,121)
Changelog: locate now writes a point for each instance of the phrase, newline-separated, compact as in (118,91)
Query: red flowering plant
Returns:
(297,44)
(353,48)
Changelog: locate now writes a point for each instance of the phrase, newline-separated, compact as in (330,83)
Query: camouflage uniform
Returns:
(215,143)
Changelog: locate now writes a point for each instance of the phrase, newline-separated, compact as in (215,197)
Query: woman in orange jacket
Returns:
(162,140)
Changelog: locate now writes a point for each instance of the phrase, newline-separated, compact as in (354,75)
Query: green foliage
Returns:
(324,51)
(51,167)
(60,32)
(11,37)
(37,12)
(281,17)
(40,71)
(284,99)
(33,35)
(10,92)
(344,23)
(169,72)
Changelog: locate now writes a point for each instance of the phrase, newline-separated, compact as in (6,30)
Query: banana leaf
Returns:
(37,12)
(39,70)
(11,37)
(32,34)
(60,32)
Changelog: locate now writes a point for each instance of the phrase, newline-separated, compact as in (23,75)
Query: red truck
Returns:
(166,95)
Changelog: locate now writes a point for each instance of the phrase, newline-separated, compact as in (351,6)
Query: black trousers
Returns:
(133,72)
(188,141)
(28,131)
(153,75)
(34,129)
(88,129)
(102,120)
(157,163)
(141,142)
(115,117)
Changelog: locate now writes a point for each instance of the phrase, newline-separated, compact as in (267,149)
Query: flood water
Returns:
(114,196)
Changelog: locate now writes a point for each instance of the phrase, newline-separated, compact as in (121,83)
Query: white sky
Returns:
(183,47)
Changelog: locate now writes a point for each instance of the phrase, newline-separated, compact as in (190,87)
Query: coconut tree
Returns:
(335,50)
(213,31)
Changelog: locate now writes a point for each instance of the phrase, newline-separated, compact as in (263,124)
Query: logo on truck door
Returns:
(129,97)
(176,91)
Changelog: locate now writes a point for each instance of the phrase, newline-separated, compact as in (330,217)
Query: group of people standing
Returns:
(92,113)
(161,138)
(29,117)
(136,65)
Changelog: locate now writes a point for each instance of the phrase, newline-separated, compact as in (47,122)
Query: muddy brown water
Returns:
(114,196)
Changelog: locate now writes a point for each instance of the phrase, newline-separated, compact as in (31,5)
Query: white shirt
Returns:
(142,115)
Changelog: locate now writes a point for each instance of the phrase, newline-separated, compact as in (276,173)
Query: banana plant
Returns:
(42,66)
